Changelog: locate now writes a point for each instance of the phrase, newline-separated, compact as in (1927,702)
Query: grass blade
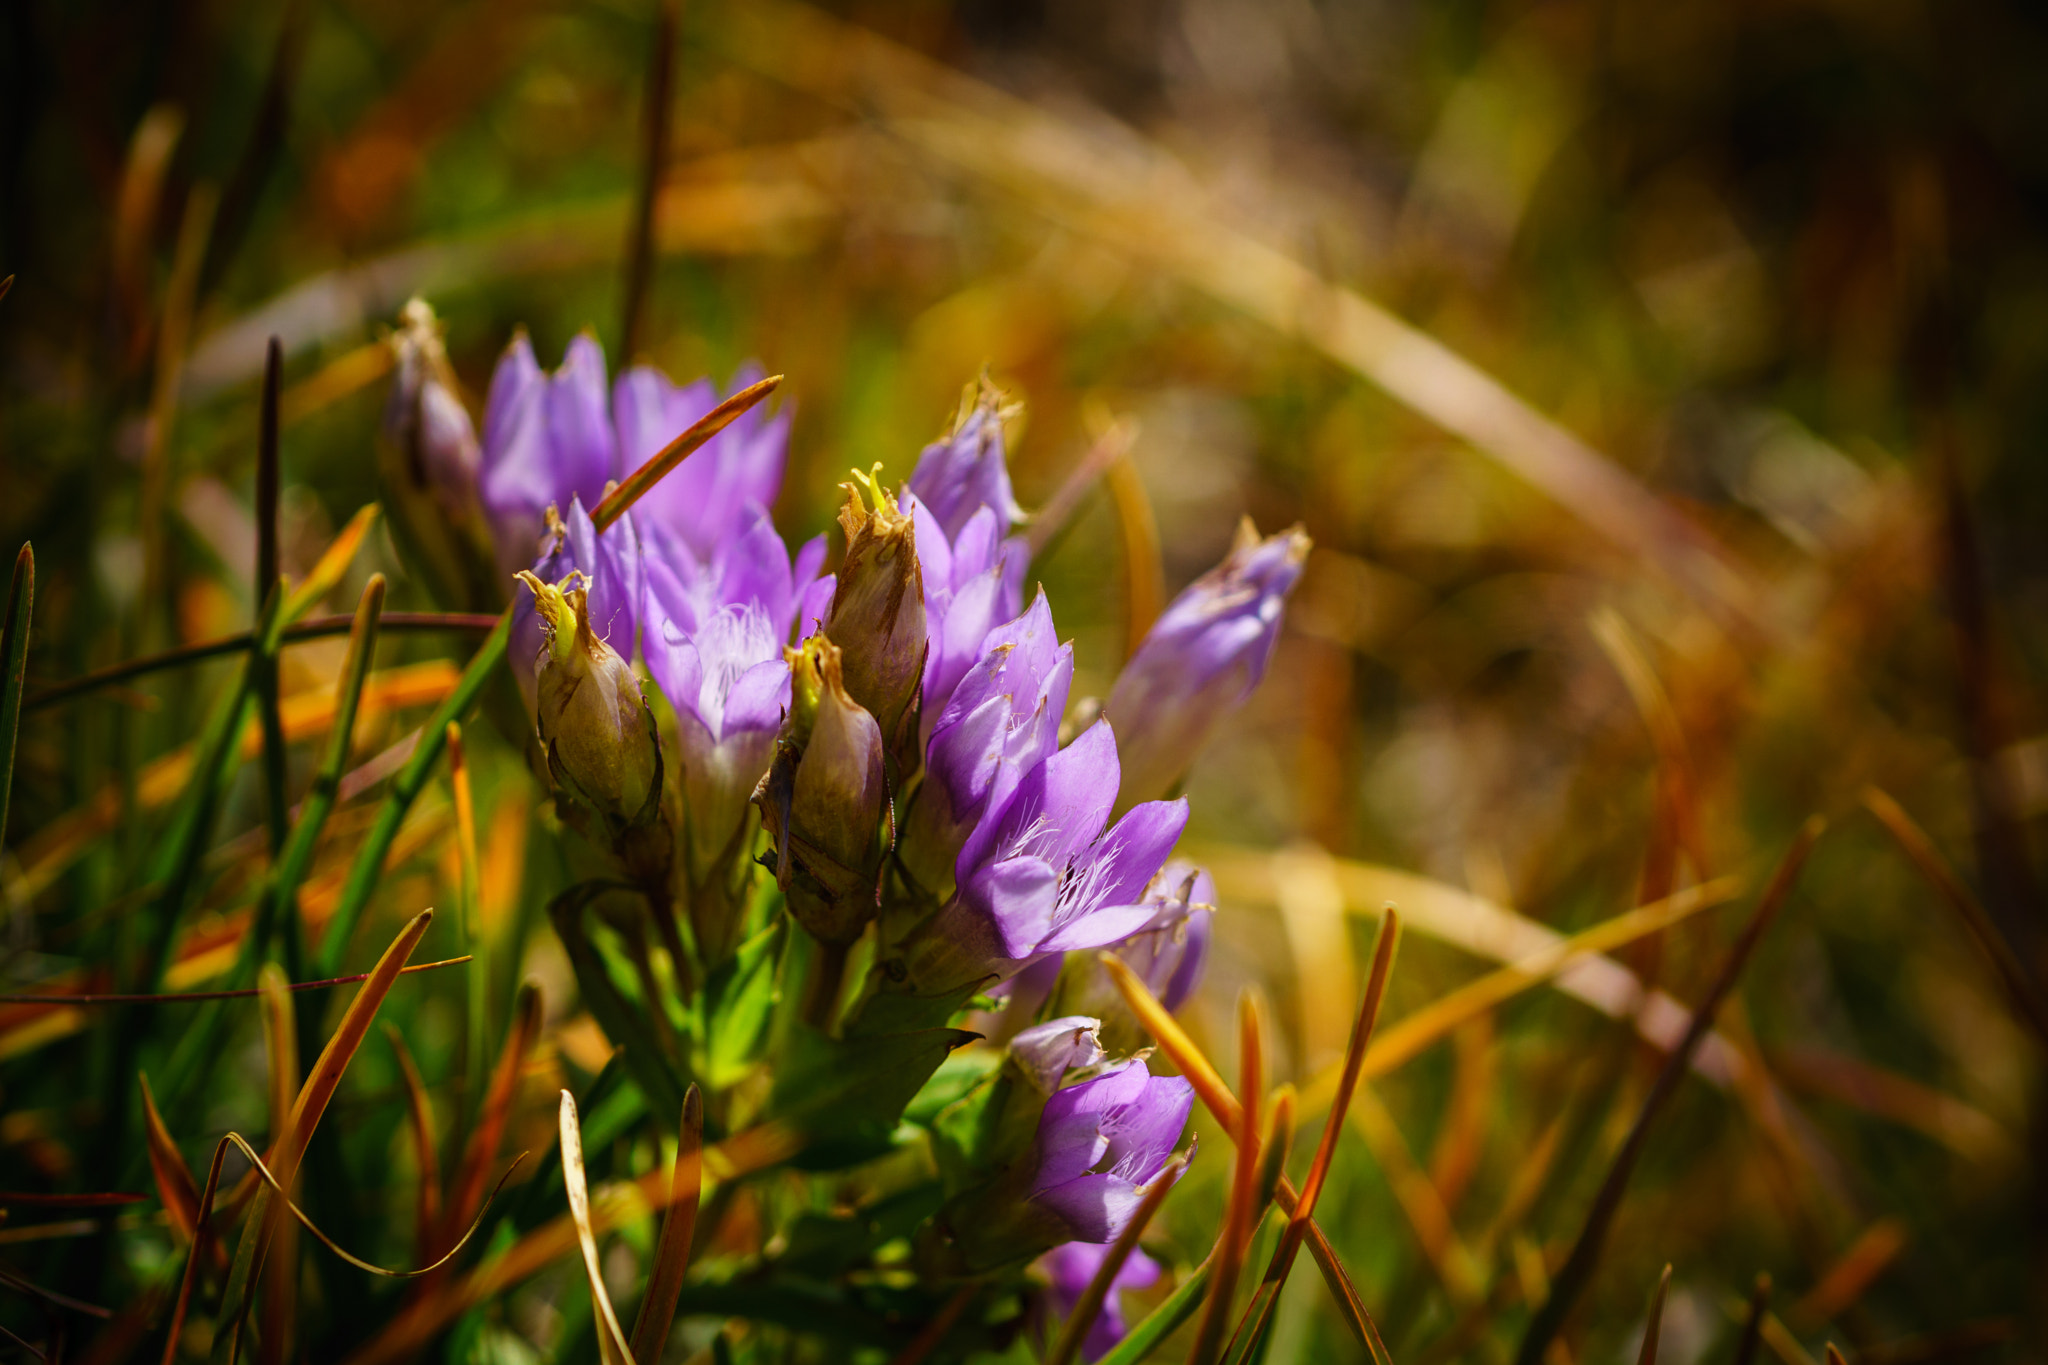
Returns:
(611,1338)
(1089,1305)
(465,1191)
(1138,533)
(1240,1215)
(476,986)
(312,1101)
(195,997)
(368,868)
(1572,1280)
(1216,1097)
(1654,1327)
(2022,993)
(426,1156)
(1162,1322)
(655,470)
(264,663)
(280,1288)
(174,1183)
(678,1228)
(21,600)
(1753,1325)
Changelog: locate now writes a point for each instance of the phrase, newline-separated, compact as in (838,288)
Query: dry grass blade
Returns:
(199,1243)
(1753,1323)
(1654,1327)
(466,1190)
(1217,1099)
(1835,1356)
(611,1338)
(2021,992)
(1572,1280)
(312,1101)
(21,597)
(281,1045)
(271,1186)
(1849,1278)
(1240,1215)
(174,1183)
(476,987)
(675,452)
(191,997)
(426,1155)
(1089,1305)
(678,1229)
(1654,703)
(51,1296)
(1408,1037)
(1138,534)
(1259,1313)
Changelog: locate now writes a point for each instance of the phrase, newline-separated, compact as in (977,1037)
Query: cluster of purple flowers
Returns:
(899,719)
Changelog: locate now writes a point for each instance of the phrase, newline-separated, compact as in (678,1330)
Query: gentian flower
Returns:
(594,723)
(547,439)
(1170,952)
(1001,721)
(965,470)
(877,617)
(715,490)
(429,460)
(1201,659)
(970,585)
(1100,1143)
(1046,1052)
(1041,875)
(822,799)
(1070,1268)
(610,569)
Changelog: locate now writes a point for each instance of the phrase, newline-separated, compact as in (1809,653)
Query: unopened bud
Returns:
(823,798)
(429,461)
(594,722)
(877,618)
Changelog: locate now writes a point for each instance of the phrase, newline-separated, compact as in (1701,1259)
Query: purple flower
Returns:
(428,462)
(712,492)
(1001,721)
(972,582)
(1041,875)
(547,439)
(610,565)
(1047,1052)
(727,680)
(1070,1268)
(1201,659)
(591,716)
(1101,1142)
(1170,951)
(965,471)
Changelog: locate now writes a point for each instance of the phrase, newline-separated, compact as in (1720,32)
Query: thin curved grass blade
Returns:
(195,997)
(611,1338)
(1572,1280)
(678,1228)
(281,1286)
(636,484)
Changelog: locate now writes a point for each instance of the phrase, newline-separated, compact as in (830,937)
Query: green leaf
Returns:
(741,994)
(846,1095)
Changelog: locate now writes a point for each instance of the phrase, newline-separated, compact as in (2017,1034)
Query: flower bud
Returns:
(965,470)
(1200,660)
(429,461)
(594,723)
(877,618)
(823,797)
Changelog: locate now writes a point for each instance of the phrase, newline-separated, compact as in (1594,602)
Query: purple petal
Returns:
(1095,1208)
(1016,896)
(1048,1051)
(1098,928)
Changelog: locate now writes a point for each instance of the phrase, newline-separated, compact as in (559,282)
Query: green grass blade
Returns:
(1162,1322)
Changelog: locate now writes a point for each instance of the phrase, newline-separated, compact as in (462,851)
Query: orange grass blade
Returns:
(1845,1281)
(426,1157)
(1217,1099)
(1753,1324)
(332,566)
(199,1239)
(281,1045)
(1089,1305)
(675,452)
(187,997)
(1384,946)
(678,1228)
(1585,1254)
(1654,1327)
(1674,759)
(1239,1216)
(611,1338)
(2024,996)
(467,1188)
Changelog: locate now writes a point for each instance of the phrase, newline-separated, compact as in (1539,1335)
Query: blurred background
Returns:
(1663,386)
